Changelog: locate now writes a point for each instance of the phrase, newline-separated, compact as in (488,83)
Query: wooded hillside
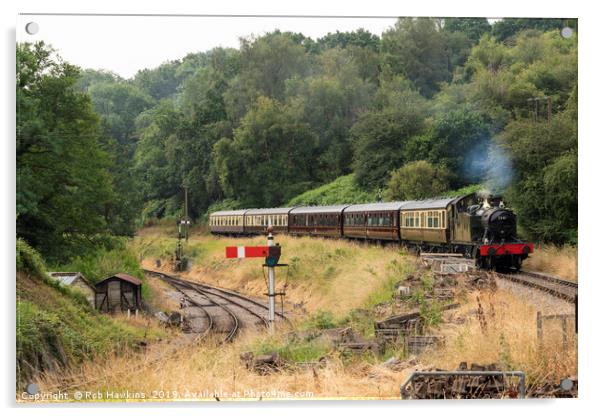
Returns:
(459,101)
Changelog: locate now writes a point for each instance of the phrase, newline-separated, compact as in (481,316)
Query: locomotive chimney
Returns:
(486,204)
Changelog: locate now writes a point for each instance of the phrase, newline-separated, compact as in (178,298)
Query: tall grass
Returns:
(506,334)
(322,274)
(337,283)
(57,327)
(559,261)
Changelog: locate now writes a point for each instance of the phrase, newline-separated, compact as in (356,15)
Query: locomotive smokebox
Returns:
(500,222)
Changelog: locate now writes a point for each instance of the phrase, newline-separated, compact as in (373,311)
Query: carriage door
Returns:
(114,295)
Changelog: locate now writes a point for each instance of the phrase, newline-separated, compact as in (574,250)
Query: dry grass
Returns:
(558,261)
(193,373)
(170,371)
(323,274)
(507,335)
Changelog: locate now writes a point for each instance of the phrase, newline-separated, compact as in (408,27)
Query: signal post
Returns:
(271,253)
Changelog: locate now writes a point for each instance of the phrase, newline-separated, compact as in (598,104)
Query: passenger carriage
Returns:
(227,222)
(256,221)
(377,221)
(323,221)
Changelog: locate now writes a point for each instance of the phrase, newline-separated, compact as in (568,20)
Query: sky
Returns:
(126,44)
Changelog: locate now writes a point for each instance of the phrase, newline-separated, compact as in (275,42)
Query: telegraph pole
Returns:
(186,219)
(180,261)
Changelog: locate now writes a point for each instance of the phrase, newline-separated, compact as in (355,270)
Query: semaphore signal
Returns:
(271,253)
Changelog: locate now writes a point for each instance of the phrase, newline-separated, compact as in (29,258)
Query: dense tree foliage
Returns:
(431,105)
(64,191)
(417,180)
(506,28)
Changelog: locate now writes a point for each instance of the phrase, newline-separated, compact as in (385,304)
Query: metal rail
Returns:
(198,305)
(246,308)
(232,315)
(560,288)
(234,294)
(227,292)
(550,278)
(519,374)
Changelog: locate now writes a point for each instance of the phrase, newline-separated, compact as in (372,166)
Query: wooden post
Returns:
(565,341)
(576,314)
(539,328)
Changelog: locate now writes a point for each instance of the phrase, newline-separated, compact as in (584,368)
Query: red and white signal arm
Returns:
(242,252)
(271,253)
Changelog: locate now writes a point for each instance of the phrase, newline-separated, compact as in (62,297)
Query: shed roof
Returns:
(123,276)
(68,278)
(229,213)
(433,203)
(319,209)
(259,211)
(376,206)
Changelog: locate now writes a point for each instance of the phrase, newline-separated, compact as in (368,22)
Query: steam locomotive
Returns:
(479,227)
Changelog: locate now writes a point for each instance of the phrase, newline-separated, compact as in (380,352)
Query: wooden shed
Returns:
(120,292)
(76,280)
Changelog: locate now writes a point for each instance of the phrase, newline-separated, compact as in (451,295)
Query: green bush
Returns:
(29,260)
(321,320)
(293,351)
(104,263)
(342,190)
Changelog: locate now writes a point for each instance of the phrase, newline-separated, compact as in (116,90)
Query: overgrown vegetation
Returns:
(342,190)
(56,326)
(104,263)
(295,351)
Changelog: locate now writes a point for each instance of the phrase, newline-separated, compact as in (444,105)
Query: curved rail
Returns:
(235,323)
(236,295)
(228,293)
(176,282)
(240,305)
(198,305)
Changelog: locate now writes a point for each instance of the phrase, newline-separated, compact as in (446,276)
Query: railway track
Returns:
(226,311)
(560,288)
(222,317)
